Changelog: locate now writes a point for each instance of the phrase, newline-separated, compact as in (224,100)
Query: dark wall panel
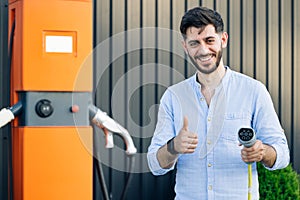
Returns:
(145,56)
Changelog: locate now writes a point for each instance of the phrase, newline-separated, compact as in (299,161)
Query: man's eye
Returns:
(193,44)
(210,41)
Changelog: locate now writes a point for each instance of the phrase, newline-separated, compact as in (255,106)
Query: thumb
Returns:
(185,123)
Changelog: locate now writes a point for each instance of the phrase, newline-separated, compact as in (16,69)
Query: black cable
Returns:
(101,178)
(17,108)
(11,42)
(10,162)
(129,176)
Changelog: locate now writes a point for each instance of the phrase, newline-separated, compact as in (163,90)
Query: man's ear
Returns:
(224,39)
(183,42)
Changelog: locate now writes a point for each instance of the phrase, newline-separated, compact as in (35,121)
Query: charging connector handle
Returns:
(247,137)
(8,114)
(100,118)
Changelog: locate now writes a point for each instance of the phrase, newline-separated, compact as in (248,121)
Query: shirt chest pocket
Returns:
(233,122)
(228,141)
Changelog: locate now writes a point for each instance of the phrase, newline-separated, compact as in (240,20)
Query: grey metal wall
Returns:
(135,64)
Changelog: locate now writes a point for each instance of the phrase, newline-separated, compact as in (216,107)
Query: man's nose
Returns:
(203,49)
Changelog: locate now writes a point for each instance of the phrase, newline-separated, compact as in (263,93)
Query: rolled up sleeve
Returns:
(269,129)
(163,132)
(282,156)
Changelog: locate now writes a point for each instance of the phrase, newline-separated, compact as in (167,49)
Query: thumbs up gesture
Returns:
(185,141)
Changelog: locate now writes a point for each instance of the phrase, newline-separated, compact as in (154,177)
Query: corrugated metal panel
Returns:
(295,112)
(263,43)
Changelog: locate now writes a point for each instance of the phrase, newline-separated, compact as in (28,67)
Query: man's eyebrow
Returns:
(192,41)
(206,38)
(210,37)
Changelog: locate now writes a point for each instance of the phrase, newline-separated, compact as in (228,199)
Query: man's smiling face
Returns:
(204,47)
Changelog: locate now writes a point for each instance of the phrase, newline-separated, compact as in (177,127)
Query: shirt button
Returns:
(209,119)
(210,187)
(209,165)
(208,142)
(202,99)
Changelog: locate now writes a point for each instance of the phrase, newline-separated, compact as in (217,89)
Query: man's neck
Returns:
(212,80)
(209,82)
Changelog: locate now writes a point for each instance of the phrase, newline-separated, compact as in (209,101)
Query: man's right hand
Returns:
(185,141)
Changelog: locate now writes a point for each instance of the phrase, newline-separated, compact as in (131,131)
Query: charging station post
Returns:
(52,38)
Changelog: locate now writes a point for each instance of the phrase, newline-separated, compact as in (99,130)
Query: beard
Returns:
(205,69)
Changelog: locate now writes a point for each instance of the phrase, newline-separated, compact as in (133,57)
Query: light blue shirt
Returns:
(215,170)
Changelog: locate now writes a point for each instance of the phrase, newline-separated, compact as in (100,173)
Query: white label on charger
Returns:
(59,44)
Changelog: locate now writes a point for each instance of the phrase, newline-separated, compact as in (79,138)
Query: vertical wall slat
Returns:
(261,41)
(103,18)
(178,52)
(286,67)
(273,47)
(133,105)
(247,63)
(149,71)
(102,95)
(193,3)
(254,37)
(117,101)
(149,95)
(296,97)
(221,7)
(234,37)
(163,42)
(208,3)
(133,65)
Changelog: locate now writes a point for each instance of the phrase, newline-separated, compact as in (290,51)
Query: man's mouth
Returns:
(204,58)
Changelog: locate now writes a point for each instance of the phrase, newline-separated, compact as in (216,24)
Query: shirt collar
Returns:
(224,81)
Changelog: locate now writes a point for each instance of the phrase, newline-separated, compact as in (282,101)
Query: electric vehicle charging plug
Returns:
(101,119)
(8,114)
(247,137)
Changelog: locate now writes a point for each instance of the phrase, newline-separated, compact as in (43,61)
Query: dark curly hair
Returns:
(200,17)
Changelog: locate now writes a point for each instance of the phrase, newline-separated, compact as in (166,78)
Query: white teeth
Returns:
(205,58)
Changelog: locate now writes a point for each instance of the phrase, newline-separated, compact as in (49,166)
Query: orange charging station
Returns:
(52,39)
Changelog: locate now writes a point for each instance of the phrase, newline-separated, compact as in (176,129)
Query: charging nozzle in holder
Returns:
(101,119)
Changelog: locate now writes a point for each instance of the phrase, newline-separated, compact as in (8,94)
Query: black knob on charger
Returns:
(44,108)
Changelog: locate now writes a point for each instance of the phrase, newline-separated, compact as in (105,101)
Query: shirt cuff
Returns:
(282,158)
(154,165)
